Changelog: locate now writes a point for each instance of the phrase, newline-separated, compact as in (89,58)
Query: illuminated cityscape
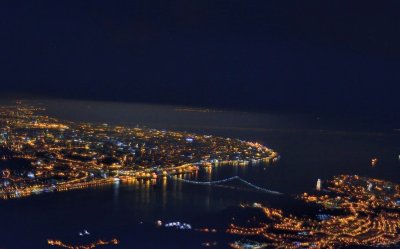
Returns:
(56,155)
(353,215)
(64,155)
(196,124)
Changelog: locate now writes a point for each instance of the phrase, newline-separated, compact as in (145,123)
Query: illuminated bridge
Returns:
(230,179)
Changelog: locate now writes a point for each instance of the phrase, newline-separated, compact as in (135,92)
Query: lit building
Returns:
(319,185)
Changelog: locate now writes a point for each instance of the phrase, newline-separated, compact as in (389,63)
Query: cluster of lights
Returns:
(66,155)
(370,216)
(179,225)
(98,243)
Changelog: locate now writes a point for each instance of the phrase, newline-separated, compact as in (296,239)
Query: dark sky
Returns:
(339,57)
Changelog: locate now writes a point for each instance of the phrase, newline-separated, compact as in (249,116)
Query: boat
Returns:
(374,161)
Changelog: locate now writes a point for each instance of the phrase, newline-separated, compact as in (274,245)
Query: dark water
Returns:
(310,148)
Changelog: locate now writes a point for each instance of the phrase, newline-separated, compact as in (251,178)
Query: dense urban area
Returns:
(55,155)
(44,154)
(354,211)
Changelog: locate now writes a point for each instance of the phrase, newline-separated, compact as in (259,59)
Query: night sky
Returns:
(332,57)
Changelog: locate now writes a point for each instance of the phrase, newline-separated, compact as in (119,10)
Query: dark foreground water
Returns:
(310,148)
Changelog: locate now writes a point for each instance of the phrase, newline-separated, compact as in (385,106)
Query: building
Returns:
(319,185)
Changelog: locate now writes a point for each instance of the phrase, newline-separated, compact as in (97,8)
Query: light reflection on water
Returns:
(309,150)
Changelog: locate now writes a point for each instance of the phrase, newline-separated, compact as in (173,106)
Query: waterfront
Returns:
(353,211)
(65,155)
(309,150)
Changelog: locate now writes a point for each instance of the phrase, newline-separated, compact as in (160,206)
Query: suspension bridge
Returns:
(230,179)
